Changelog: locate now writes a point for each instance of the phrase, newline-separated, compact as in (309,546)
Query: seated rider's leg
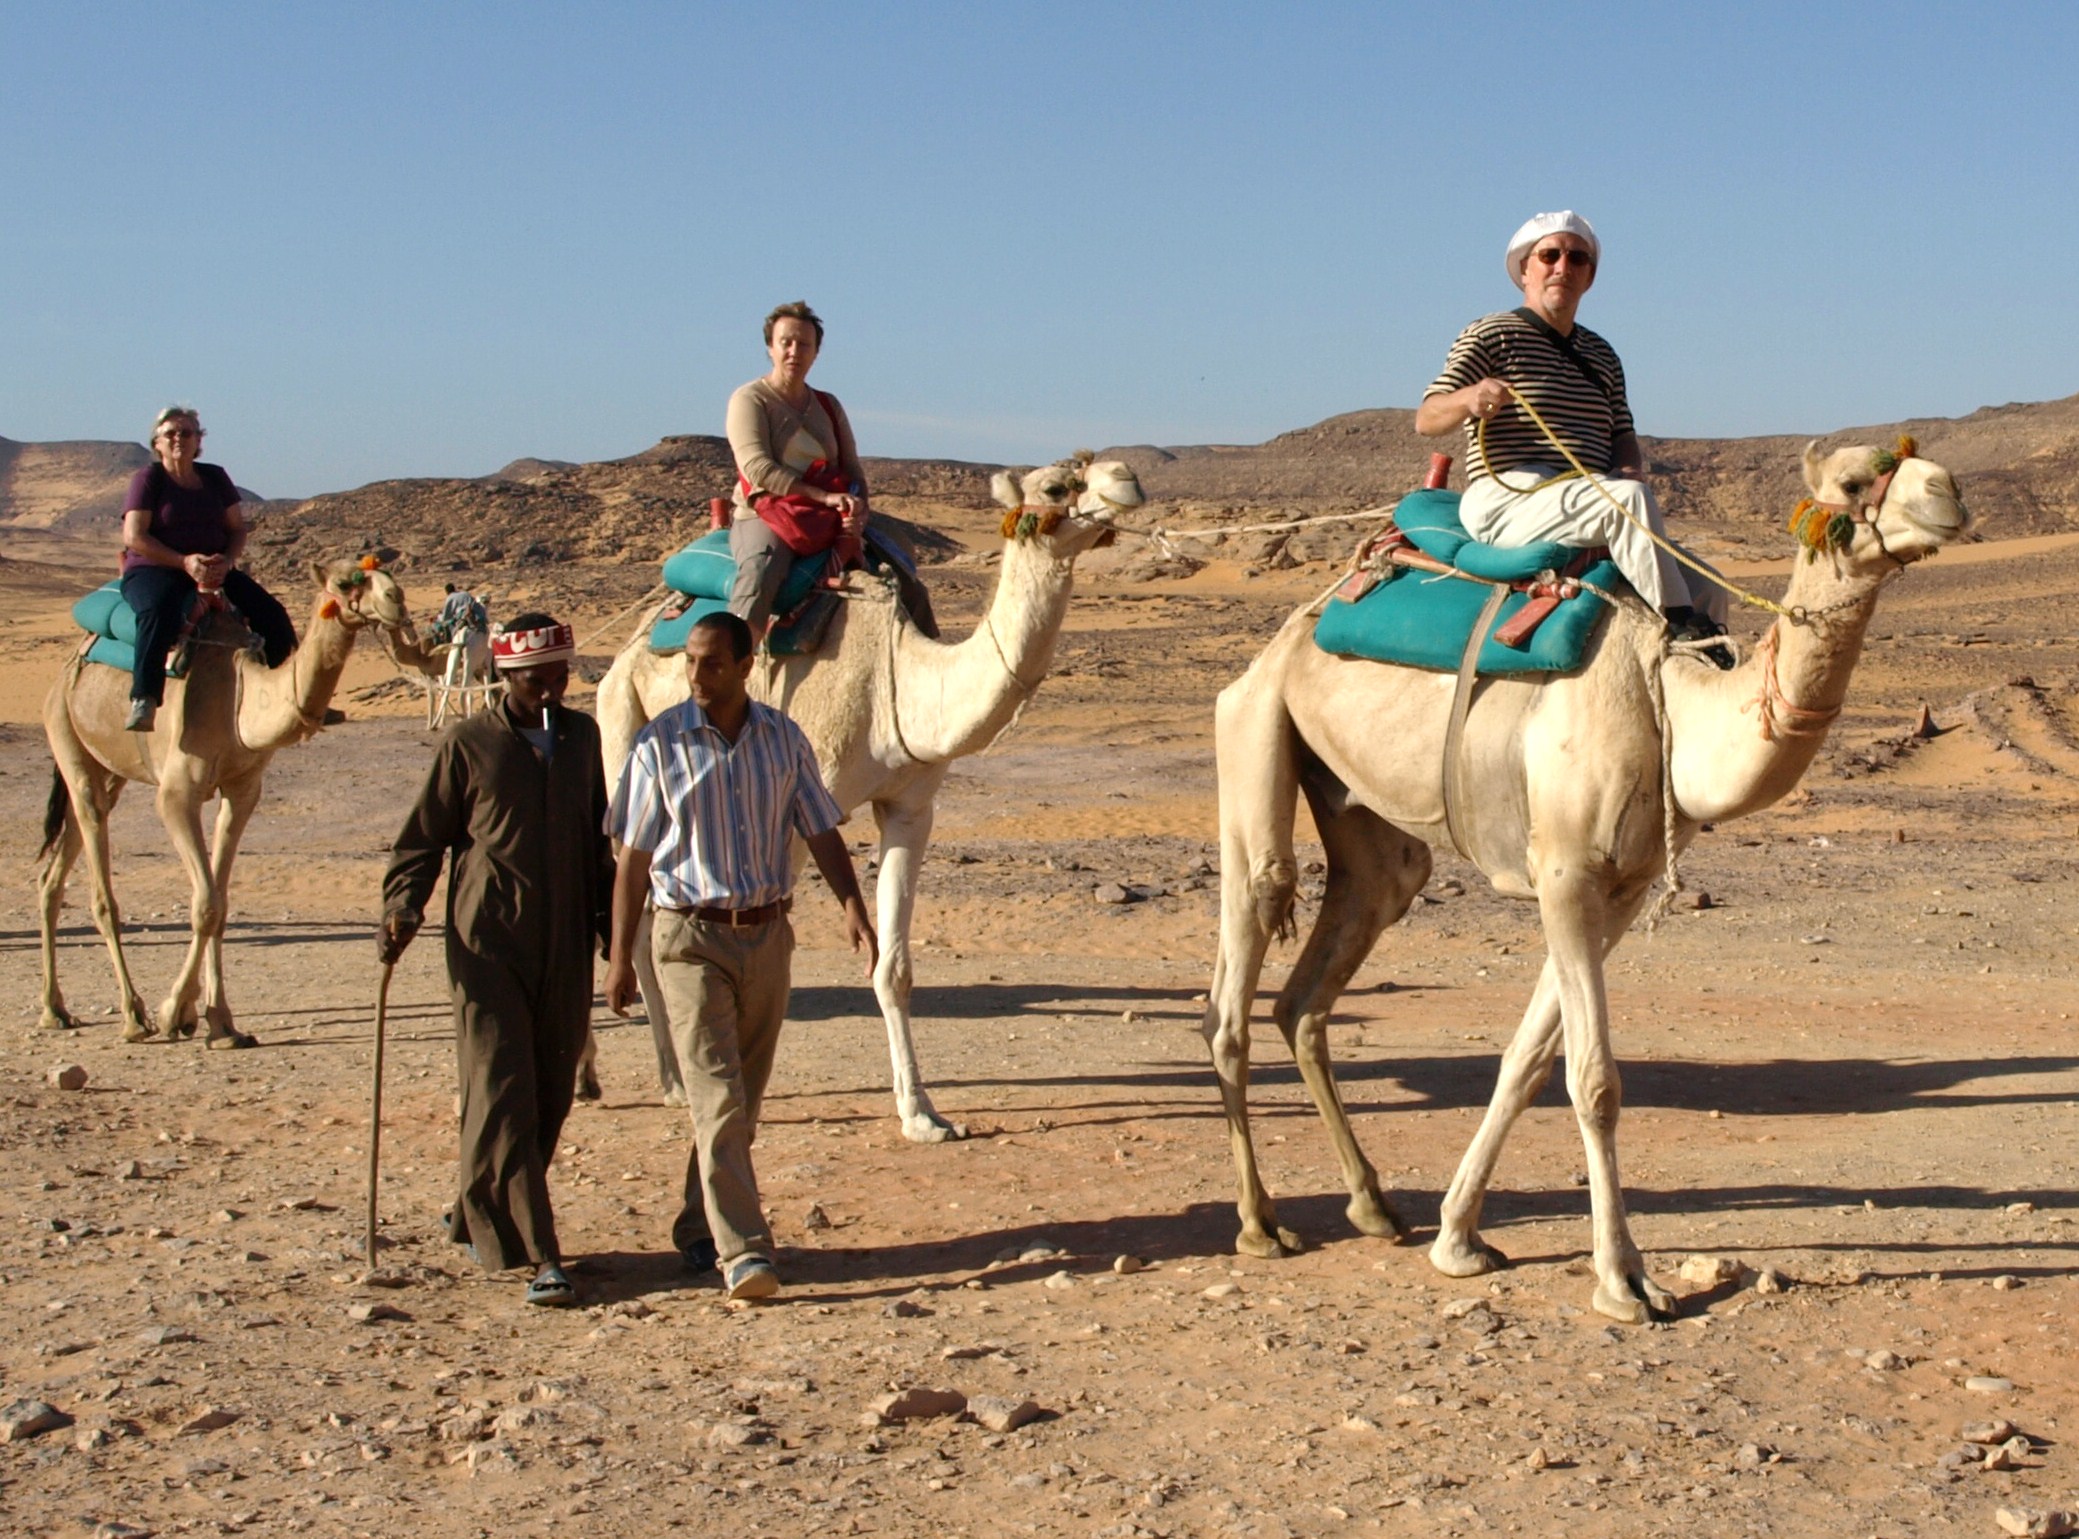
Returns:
(159,596)
(762,564)
(264,613)
(1653,574)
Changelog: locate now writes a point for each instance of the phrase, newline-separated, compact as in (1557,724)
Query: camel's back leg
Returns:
(61,848)
(1374,872)
(93,790)
(1255,747)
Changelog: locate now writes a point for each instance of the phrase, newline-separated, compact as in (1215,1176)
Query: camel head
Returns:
(1878,508)
(359,592)
(1067,506)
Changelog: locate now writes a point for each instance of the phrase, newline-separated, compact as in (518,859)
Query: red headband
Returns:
(530,649)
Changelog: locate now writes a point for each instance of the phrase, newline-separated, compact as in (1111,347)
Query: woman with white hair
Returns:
(183,530)
(1519,489)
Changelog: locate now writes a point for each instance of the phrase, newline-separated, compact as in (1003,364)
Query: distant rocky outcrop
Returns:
(2019,465)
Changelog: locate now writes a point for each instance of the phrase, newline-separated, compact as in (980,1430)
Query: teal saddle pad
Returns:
(703,572)
(1424,620)
(112,623)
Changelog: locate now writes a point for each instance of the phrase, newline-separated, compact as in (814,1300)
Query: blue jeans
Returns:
(160,594)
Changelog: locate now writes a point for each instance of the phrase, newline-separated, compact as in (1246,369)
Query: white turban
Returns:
(1537,227)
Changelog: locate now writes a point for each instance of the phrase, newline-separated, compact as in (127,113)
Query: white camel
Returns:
(216,731)
(465,682)
(889,709)
(1563,782)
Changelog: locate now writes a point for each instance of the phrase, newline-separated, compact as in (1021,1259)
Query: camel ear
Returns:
(1813,460)
(321,574)
(1007,491)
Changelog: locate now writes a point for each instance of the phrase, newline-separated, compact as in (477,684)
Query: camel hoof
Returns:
(228,1039)
(675,1096)
(1375,1216)
(1268,1247)
(588,1088)
(931,1128)
(1643,1301)
(57,1020)
(1471,1257)
(138,1028)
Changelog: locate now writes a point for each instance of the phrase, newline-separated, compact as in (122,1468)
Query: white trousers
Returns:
(1574,513)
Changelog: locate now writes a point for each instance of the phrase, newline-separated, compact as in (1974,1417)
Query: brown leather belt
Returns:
(734,918)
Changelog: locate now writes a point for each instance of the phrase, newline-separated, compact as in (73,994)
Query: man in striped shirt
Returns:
(713,792)
(1519,489)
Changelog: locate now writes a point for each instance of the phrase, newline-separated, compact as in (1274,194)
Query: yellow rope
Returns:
(1795,617)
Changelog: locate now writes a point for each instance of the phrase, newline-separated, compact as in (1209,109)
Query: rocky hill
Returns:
(2019,464)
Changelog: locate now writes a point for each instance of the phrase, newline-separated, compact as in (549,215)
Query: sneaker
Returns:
(752,1277)
(143,714)
(699,1256)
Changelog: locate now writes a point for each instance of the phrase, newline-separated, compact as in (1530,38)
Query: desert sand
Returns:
(1854,1071)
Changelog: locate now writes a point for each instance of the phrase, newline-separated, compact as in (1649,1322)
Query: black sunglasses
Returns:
(1557,256)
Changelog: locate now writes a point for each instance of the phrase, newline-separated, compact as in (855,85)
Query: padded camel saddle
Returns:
(112,623)
(701,574)
(1426,586)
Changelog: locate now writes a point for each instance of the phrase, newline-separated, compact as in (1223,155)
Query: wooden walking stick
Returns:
(375,1124)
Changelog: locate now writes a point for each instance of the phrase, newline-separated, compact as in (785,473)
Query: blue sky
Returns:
(372,240)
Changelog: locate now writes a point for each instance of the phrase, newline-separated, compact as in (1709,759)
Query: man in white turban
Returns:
(1519,489)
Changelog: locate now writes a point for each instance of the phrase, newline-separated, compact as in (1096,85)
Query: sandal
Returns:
(551,1289)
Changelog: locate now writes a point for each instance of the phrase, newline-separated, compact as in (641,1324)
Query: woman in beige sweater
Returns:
(799,486)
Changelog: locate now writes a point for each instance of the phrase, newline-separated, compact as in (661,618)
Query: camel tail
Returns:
(56,812)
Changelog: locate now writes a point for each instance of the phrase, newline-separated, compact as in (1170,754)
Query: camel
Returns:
(889,709)
(1563,802)
(217,729)
(462,682)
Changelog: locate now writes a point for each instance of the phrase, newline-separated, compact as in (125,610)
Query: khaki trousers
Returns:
(1573,513)
(726,993)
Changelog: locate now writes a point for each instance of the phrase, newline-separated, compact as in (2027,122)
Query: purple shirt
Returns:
(187,519)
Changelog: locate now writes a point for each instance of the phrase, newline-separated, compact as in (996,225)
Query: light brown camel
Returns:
(1563,803)
(889,709)
(216,732)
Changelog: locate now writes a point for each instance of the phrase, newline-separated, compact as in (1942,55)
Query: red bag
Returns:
(804,527)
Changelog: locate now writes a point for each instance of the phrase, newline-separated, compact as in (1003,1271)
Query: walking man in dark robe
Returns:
(517,797)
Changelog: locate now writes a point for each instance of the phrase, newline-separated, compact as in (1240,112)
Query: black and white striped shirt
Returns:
(1585,402)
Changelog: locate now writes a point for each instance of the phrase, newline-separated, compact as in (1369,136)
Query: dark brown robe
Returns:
(529,895)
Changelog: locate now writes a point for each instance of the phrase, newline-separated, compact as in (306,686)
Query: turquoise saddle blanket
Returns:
(112,623)
(1425,620)
(703,572)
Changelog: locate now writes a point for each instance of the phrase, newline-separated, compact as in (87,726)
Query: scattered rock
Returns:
(30,1418)
(905,1309)
(164,1335)
(915,1405)
(1769,1280)
(1113,892)
(815,1217)
(1988,1431)
(1126,1266)
(1060,1281)
(1537,1459)
(2006,1282)
(130,1170)
(2009,1455)
(1226,1290)
(1883,1361)
(66,1076)
(490,1459)
(371,1314)
(1458,1309)
(2019,1208)
(108,1529)
(737,1432)
(521,1418)
(1988,1384)
(209,1419)
(2026,1524)
(1710,1271)
(999,1413)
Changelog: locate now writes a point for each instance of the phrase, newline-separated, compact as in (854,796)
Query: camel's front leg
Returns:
(1458,1250)
(180,810)
(1580,921)
(1237,966)
(905,833)
(235,806)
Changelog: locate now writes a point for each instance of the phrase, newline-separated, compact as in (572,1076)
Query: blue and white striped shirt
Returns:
(715,816)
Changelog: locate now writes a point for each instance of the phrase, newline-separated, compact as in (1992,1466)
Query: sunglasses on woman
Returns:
(1559,256)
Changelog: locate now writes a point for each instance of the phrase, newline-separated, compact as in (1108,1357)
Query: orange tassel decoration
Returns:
(329,610)
(371,562)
